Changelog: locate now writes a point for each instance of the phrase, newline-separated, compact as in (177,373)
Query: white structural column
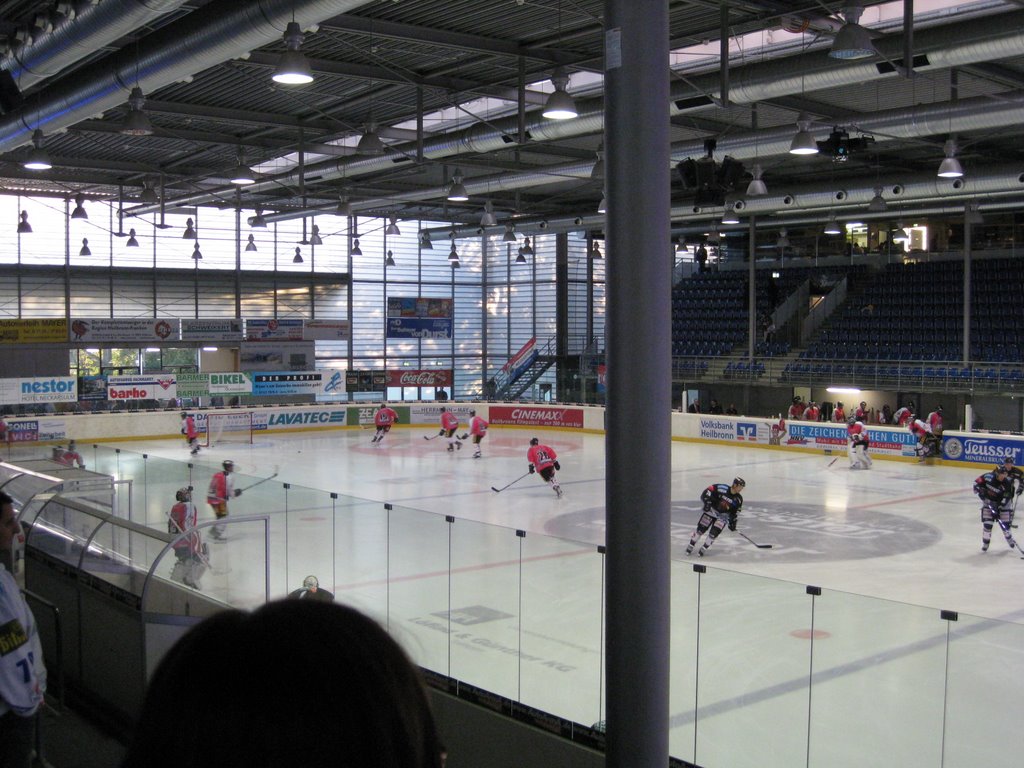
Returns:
(638,326)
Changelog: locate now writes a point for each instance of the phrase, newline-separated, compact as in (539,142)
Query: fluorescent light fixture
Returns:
(293,66)
(843,390)
(209,349)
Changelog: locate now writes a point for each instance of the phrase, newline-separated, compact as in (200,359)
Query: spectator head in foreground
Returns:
(295,682)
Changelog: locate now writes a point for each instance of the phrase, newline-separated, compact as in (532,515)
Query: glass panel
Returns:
(361,555)
(879,674)
(484,624)
(683,659)
(984,694)
(562,662)
(310,539)
(419,579)
(753,672)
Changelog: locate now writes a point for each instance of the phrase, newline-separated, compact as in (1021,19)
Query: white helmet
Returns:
(310,582)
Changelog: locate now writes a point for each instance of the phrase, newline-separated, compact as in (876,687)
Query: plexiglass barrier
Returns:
(764,672)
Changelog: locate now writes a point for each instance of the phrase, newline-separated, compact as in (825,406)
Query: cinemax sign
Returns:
(529,416)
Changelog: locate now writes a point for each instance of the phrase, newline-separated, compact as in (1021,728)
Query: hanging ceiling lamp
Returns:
(297,258)
(520,257)
(756,186)
(242,175)
(370,144)
(488,219)
(132,242)
(356,250)
(85,250)
(950,167)
(314,236)
(293,66)
(803,142)
(852,41)
(190,230)
(148,194)
(197,255)
(832,226)
(510,233)
(877,204)
(38,159)
(560,105)
(250,246)
(79,212)
(24,228)
(136,122)
(344,207)
(595,250)
(392,227)
(258,221)
(457,192)
(527,248)
(390,260)
(783,241)
(425,244)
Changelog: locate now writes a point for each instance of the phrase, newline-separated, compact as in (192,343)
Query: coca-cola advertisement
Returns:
(532,416)
(435,377)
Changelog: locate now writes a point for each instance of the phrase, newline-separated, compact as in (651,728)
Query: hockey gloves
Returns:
(440,433)
(707,506)
(238,492)
(732,522)
(558,466)
(532,470)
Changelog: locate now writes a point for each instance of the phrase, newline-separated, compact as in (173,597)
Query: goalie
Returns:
(191,558)
(722,505)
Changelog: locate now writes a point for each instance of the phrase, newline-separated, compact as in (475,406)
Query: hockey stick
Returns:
(1006,532)
(759,546)
(499,490)
(433,437)
(260,482)
(832,462)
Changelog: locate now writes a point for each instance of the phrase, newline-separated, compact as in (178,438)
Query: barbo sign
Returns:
(528,416)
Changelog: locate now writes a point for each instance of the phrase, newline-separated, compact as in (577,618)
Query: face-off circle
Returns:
(799,533)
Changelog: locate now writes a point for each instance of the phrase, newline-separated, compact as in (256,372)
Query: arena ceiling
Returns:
(458,86)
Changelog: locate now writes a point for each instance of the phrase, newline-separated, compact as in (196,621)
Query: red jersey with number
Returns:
(449,420)
(477,426)
(541,456)
(385,417)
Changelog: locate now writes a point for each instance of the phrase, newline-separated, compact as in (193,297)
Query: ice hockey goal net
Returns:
(234,427)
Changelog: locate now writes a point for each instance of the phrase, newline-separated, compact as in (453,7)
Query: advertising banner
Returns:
(979,449)
(274,329)
(325,383)
(40,389)
(434,377)
(41,331)
(124,329)
(418,306)
(831,438)
(34,430)
(298,418)
(326,330)
(431,414)
(92,387)
(520,359)
(160,386)
(602,375)
(229,383)
(193,384)
(211,330)
(418,328)
(533,416)
(286,356)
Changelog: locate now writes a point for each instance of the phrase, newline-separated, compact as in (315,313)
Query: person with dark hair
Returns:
(22,672)
(722,504)
(544,461)
(222,488)
(383,419)
(188,429)
(191,558)
(311,591)
(296,682)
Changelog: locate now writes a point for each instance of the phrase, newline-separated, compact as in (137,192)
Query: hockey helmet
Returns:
(938,409)
(534,441)
(310,582)
(71,445)
(1008,459)
(852,420)
(472,413)
(183,494)
(443,409)
(739,481)
(1000,470)
(229,465)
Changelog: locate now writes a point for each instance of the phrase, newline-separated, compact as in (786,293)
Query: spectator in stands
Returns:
(885,417)
(769,332)
(868,309)
(796,410)
(812,412)
(22,673)
(714,406)
(693,407)
(440,394)
(838,414)
(296,682)
(731,410)
(702,259)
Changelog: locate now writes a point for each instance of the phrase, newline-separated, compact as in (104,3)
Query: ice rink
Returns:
(811,678)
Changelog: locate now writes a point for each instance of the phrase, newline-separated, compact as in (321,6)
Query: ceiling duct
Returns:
(93,27)
(212,35)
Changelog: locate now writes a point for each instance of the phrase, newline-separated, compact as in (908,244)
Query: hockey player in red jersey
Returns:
(189,551)
(838,414)
(222,488)
(383,419)
(722,505)
(935,420)
(478,429)
(70,457)
(928,445)
(904,414)
(859,443)
(996,492)
(544,461)
(188,429)
(449,426)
